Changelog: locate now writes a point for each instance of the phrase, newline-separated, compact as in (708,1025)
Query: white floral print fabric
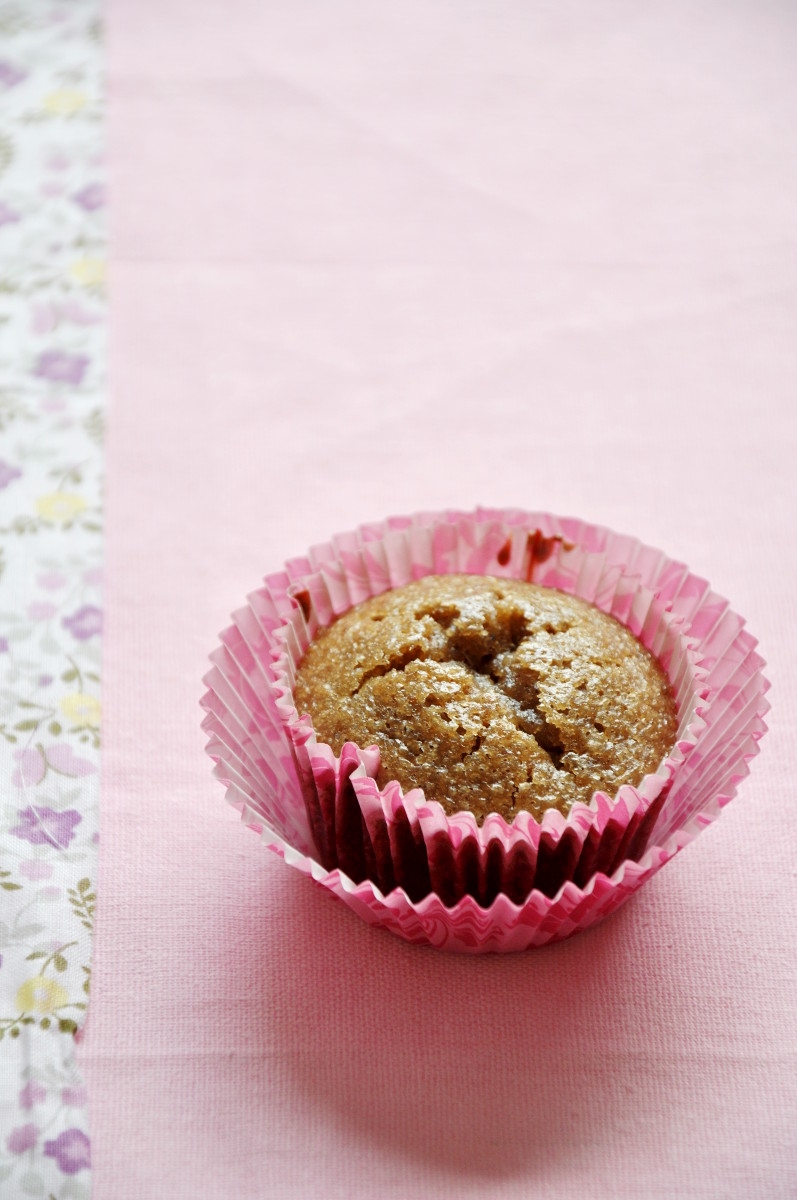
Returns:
(52,384)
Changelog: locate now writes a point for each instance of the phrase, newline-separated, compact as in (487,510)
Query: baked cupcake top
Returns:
(493,695)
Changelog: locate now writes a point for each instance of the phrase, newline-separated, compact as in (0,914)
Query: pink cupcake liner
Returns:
(369,835)
(353,839)
(397,859)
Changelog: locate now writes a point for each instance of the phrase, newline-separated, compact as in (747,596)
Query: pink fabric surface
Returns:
(381,258)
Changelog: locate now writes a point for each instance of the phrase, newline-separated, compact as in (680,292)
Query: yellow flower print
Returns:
(60,506)
(81,708)
(88,272)
(41,995)
(65,102)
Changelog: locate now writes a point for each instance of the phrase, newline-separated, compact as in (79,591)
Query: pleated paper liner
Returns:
(388,840)
(394,843)
(499,887)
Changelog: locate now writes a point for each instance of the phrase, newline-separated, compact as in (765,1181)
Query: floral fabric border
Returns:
(52,387)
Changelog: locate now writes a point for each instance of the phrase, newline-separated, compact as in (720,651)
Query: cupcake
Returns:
(492,695)
(486,730)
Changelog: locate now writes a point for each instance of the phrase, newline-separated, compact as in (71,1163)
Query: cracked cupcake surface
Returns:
(493,695)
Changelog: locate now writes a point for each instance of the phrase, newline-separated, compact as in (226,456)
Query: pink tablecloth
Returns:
(379,258)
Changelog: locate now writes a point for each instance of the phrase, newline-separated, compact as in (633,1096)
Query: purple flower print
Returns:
(45,680)
(7,215)
(52,580)
(61,759)
(75,1097)
(43,318)
(90,197)
(32,1093)
(61,367)
(33,764)
(44,826)
(70,310)
(71,1150)
(52,404)
(40,610)
(84,623)
(31,769)
(32,868)
(3,645)
(8,473)
(10,75)
(22,1138)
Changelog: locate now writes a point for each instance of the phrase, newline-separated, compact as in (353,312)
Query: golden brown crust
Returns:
(493,695)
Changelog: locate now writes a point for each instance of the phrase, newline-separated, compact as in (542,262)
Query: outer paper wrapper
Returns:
(398,860)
